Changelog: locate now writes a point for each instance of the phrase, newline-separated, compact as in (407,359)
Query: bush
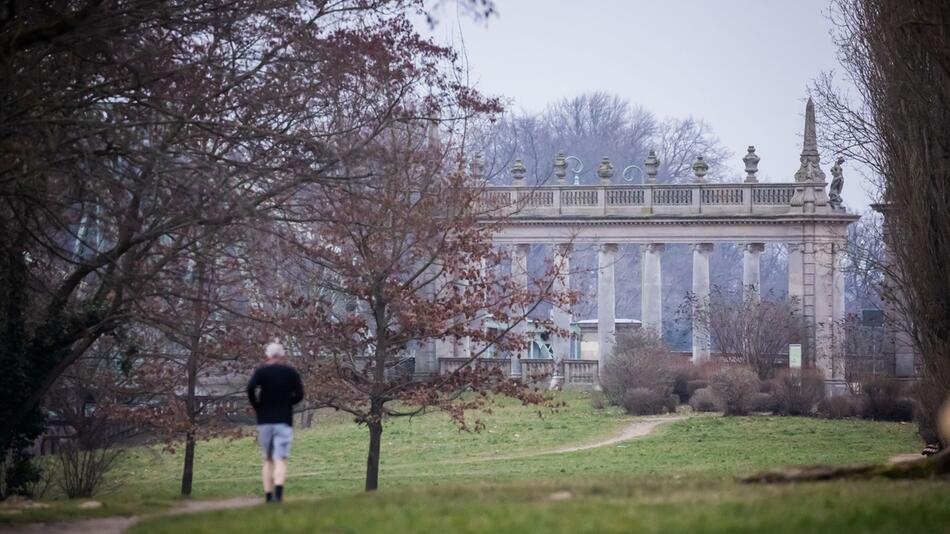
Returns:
(839,407)
(645,401)
(884,400)
(82,469)
(798,391)
(672,403)
(693,385)
(597,400)
(734,386)
(639,362)
(763,402)
(685,374)
(704,400)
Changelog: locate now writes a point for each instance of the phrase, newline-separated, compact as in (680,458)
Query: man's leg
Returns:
(282,440)
(268,476)
(280,476)
(265,437)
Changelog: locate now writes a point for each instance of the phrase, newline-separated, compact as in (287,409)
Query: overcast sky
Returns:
(743,66)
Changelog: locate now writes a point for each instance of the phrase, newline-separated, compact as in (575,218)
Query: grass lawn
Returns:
(428,452)
(606,505)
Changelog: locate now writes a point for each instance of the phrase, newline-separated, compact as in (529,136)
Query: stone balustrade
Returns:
(450,365)
(640,200)
(580,372)
(534,369)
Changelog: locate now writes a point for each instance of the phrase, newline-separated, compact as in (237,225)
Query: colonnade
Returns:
(815,287)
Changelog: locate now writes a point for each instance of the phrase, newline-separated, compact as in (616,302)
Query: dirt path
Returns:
(636,430)
(906,457)
(117,525)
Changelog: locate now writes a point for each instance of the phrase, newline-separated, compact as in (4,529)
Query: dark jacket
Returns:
(273,390)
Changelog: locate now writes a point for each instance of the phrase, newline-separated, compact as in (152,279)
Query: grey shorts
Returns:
(275,440)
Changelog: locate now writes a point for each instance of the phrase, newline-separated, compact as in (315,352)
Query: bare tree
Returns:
(680,141)
(747,330)
(411,253)
(898,124)
(115,118)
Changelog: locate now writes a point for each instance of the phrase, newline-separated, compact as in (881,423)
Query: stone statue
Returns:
(837,183)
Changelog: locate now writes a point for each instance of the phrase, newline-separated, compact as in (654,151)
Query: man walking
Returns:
(273,391)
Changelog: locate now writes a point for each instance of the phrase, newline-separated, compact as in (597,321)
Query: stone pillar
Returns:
(560,317)
(824,314)
(796,276)
(701,337)
(519,273)
(651,288)
(838,315)
(444,347)
(751,276)
(606,302)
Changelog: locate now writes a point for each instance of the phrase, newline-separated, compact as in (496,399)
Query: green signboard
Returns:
(795,356)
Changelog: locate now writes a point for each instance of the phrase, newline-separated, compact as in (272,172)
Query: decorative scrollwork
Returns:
(576,170)
(629,168)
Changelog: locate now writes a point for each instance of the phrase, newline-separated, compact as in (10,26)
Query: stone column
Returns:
(651,288)
(560,317)
(751,276)
(823,319)
(701,337)
(444,347)
(809,318)
(519,273)
(606,302)
(838,315)
(796,276)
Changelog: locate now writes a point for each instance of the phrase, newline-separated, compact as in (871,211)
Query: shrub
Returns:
(704,400)
(768,386)
(683,375)
(597,400)
(82,468)
(693,385)
(884,400)
(839,407)
(734,386)
(639,361)
(19,475)
(798,391)
(672,403)
(645,401)
(762,402)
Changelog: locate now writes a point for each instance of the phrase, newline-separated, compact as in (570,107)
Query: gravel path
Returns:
(117,525)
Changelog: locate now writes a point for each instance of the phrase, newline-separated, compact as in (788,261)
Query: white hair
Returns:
(274,350)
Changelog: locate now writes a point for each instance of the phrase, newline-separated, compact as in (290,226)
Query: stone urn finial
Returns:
(477,165)
(560,167)
(652,163)
(518,171)
(751,161)
(605,170)
(700,168)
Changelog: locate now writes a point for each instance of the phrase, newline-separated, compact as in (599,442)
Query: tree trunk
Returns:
(936,465)
(188,472)
(191,402)
(372,459)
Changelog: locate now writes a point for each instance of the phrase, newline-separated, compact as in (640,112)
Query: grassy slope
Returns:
(609,505)
(428,451)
